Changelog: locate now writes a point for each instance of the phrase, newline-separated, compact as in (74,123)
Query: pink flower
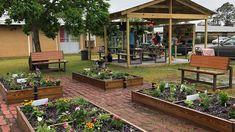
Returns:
(233,106)
(94,119)
(66,125)
(116,117)
(71,130)
(77,108)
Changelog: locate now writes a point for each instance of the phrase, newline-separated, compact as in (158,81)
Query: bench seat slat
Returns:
(49,62)
(204,71)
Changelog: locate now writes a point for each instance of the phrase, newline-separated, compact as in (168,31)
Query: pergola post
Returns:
(105,44)
(194,38)
(206,33)
(170,35)
(128,42)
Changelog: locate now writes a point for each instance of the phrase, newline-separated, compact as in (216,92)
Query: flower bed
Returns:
(216,112)
(15,88)
(105,79)
(70,115)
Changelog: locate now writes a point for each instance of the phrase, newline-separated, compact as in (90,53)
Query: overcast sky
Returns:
(117,5)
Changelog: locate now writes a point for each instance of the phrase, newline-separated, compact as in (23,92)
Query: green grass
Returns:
(151,74)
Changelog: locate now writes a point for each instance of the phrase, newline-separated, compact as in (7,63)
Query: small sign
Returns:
(22,80)
(14,75)
(192,97)
(40,102)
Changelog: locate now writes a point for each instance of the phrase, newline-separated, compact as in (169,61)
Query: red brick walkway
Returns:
(117,101)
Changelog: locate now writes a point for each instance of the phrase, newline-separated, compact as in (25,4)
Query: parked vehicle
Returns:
(226,48)
(220,40)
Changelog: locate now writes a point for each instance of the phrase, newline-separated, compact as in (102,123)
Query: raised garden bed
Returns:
(16,92)
(70,115)
(106,79)
(206,111)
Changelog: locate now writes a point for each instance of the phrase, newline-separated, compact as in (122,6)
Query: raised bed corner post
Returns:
(36,84)
(125,82)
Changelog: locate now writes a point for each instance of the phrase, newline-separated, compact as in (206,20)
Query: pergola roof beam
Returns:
(141,6)
(191,6)
(167,16)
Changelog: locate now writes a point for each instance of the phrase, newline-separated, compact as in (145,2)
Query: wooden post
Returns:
(206,33)
(122,40)
(194,38)
(128,42)
(170,34)
(175,51)
(105,44)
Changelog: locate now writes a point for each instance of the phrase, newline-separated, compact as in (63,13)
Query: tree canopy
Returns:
(225,14)
(79,16)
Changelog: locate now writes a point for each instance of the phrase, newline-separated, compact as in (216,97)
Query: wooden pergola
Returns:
(163,12)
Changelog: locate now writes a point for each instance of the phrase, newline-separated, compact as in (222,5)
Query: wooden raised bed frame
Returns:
(18,96)
(198,117)
(107,84)
(24,124)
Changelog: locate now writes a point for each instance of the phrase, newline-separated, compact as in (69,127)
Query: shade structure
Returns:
(164,12)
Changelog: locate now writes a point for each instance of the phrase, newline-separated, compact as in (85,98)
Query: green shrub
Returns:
(223,97)
(162,86)
(189,103)
(231,113)
(205,101)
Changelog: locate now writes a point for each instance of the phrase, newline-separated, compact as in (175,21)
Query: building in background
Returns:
(14,43)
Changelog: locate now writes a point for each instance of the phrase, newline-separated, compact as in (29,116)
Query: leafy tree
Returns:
(225,14)
(97,15)
(42,15)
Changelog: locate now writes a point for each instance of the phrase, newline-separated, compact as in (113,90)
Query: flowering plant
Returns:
(21,81)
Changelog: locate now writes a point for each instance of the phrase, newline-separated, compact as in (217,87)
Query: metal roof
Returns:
(215,29)
(201,29)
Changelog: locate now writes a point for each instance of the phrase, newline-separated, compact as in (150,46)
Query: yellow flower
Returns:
(26,102)
(156,85)
(89,125)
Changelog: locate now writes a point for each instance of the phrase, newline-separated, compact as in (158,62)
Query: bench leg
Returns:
(214,82)
(118,58)
(64,67)
(182,76)
(198,75)
(231,77)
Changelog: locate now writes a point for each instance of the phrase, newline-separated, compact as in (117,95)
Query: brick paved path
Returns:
(117,101)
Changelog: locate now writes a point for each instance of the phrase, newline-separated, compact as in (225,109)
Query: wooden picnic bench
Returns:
(155,53)
(213,65)
(123,54)
(48,57)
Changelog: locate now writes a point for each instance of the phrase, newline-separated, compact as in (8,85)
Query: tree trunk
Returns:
(89,46)
(36,41)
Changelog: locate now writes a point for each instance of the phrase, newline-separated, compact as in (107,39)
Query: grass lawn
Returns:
(150,74)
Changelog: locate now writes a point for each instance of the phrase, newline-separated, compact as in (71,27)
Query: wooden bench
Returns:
(48,57)
(214,66)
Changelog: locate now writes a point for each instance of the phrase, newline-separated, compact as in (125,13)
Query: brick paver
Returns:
(116,101)
(119,102)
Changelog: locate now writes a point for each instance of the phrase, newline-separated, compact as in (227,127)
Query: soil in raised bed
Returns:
(166,94)
(51,118)
(215,107)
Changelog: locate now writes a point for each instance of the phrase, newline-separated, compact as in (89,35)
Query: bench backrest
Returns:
(213,62)
(47,55)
